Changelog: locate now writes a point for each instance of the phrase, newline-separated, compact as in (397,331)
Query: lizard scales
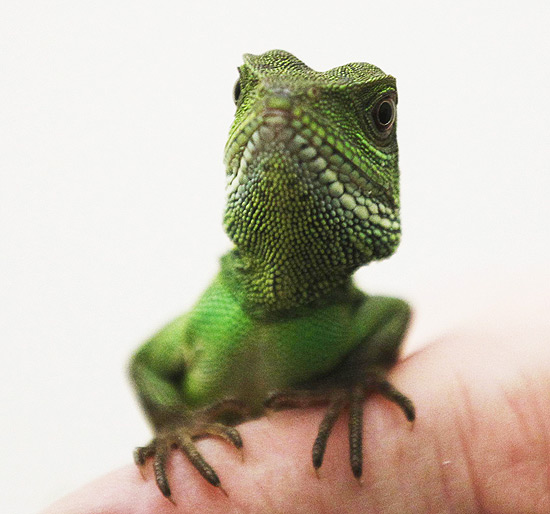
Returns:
(312,195)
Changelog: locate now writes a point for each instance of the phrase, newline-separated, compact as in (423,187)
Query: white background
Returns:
(113,118)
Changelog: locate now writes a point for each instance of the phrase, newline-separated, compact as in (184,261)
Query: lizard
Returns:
(312,195)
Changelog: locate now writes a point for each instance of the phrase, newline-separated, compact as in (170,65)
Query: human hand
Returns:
(481,443)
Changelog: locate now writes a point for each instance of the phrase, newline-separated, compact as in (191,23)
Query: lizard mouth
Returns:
(338,169)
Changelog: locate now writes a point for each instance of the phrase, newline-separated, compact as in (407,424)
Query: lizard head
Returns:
(312,163)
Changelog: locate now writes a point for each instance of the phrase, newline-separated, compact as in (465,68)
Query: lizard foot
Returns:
(338,398)
(183,437)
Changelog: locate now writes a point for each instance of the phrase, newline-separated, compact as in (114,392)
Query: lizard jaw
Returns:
(321,159)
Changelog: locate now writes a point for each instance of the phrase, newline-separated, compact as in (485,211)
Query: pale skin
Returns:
(481,443)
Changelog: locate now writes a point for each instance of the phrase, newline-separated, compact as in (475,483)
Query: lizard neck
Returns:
(266,290)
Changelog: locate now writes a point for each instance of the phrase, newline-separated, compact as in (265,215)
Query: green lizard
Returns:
(312,195)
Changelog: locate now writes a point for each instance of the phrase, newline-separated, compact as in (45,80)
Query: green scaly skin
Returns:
(312,195)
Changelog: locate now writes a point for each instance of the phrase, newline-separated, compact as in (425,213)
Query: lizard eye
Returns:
(384,114)
(237,91)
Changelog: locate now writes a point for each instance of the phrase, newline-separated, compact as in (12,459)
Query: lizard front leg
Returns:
(382,322)
(157,371)
(182,434)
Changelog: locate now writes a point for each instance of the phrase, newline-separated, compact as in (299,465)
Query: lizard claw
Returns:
(184,439)
(372,381)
